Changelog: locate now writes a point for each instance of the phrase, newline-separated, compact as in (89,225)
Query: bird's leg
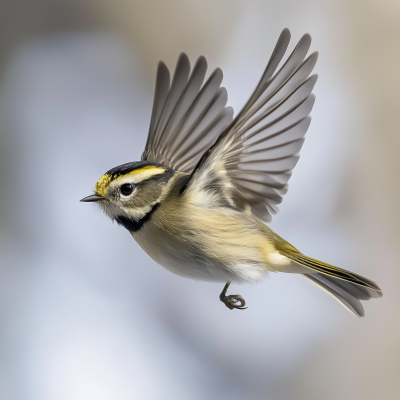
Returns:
(232,301)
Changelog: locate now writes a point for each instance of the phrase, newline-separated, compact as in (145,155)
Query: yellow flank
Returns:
(104,182)
(222,235)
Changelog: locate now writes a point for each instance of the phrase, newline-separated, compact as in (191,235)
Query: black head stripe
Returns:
(129,167)
(132,224)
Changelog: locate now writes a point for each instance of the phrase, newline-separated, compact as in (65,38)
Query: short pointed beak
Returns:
(91,198)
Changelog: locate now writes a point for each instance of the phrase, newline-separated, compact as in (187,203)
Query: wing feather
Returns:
(199,109)
(260,148)
(160,96)
(187,116)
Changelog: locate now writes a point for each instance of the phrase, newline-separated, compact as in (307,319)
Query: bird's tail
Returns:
(348,293)
(347,287)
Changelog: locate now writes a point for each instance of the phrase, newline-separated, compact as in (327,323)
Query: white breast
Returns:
(184,258)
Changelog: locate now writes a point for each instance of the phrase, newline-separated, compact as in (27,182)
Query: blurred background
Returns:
(85,313)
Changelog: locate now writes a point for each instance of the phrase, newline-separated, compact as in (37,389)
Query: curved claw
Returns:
(232,300)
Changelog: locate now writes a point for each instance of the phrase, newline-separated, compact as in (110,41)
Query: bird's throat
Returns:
(134,224)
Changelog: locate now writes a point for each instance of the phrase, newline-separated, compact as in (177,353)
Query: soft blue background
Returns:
(85,313)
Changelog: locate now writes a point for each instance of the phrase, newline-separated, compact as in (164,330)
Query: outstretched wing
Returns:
(187,116)
(254,157)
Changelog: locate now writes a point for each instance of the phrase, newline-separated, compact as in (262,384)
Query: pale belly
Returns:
(185,258)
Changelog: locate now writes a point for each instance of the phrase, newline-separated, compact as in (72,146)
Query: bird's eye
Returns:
(126,189)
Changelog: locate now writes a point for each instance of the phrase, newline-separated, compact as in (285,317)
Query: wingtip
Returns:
(202,59)
(200,67)
(161,65)
(183,58)
(283,40)
(286,33)
(313,78)
(220,75)
(313,57)
(182,68)
(229,110)
(162,70)
(183,65)
(305,41)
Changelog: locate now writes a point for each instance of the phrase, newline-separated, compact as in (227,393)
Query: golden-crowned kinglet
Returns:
(206,181)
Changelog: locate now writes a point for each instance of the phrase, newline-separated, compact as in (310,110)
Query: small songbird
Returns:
(196,201)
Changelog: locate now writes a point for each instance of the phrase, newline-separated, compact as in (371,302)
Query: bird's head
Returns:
(129,192)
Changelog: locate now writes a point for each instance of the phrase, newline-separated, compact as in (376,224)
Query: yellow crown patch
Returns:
(102,185)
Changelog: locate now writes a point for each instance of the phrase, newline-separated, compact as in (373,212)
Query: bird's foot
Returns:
(232,301)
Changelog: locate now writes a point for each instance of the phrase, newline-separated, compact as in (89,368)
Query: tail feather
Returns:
(347,287)
(331,270)
(347,293)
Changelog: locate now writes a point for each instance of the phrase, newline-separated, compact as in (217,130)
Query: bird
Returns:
(199,200)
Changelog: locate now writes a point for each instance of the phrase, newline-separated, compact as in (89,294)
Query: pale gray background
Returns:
(85,313)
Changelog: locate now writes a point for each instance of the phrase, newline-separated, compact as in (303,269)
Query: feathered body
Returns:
(198,236)
(196,201)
